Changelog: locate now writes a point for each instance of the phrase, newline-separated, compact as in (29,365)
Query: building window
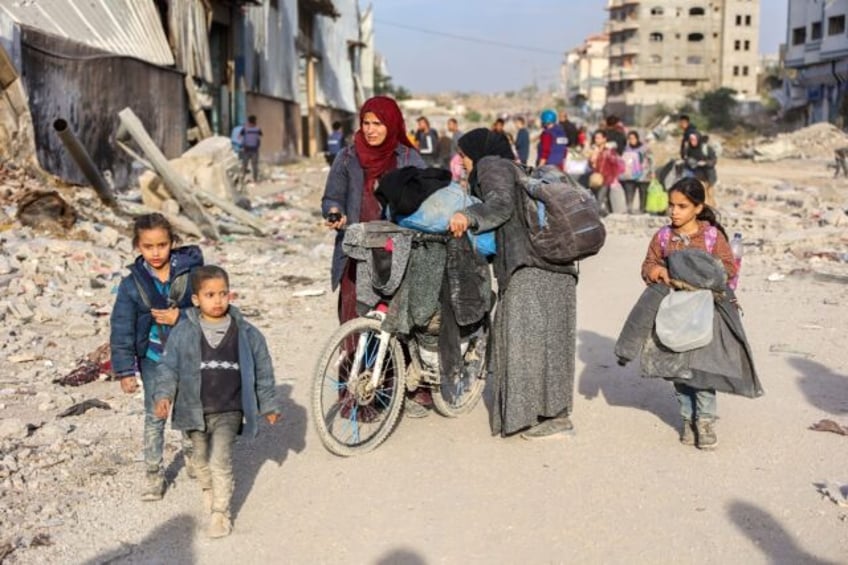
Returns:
(656,37)
(799,36)
(737,45)
(816,31)
(652,81)
(694,60)
(695,37)
(739,20)
(736,70)
(745,71)
(748,21)
(657,11)
(689,83)
(836,25)
(747,45)
(656,59)
(697,12)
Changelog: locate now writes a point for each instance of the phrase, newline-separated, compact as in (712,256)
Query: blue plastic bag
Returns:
(433,216)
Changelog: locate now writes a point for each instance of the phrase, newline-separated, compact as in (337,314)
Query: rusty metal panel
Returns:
(124,27)
(271,65)
(88,90)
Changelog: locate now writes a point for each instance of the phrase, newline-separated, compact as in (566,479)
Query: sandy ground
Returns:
(621,490)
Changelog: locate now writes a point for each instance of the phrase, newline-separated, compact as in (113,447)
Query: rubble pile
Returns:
(817,141)
(61,446)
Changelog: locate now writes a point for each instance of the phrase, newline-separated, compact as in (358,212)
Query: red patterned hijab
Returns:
(378,160)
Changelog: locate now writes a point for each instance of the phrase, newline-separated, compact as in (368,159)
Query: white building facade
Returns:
(816,58)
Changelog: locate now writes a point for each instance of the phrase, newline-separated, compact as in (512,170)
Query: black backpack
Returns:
(562,218)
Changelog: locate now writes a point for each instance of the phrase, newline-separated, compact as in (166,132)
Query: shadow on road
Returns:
(769,536)
(401,557)
(621,386)
(824,388)
(172,542)
(272,444)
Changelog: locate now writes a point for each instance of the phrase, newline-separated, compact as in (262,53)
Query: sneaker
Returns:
(220,525)
(706,434)
(687,436)
(549,428)
(412,409)
(154,486)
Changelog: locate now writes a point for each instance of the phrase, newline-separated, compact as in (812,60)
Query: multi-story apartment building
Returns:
(816,58)
(664,51)
(584,74)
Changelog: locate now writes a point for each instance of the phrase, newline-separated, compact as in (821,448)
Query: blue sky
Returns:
(423,62)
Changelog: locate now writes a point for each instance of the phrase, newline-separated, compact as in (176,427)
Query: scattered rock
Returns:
(12,428)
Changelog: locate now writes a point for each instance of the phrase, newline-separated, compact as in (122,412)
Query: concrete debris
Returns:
(835,492)
(818,141)
(57,290)
(829,426)
(46,210)
(83,407)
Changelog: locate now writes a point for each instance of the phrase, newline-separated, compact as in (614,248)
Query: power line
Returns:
(469,39)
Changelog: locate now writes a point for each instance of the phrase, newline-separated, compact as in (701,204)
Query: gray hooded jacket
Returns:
(178,374)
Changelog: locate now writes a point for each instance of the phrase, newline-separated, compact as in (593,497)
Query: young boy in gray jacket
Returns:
(217,375)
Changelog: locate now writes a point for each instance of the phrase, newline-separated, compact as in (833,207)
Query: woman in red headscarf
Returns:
(380,146)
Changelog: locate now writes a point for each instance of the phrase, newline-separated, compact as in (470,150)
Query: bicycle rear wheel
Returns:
(350,415)
(459,395)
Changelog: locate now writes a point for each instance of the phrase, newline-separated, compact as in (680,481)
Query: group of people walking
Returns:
(533,337)
(207,368)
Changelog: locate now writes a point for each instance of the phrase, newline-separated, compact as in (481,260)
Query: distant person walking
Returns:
(251,139)
(638,171)
(687,128)
(335,142)
(570,129)
(427,140)
(455,163)
(616,134)
(522,140)
(553,144)
(699,161)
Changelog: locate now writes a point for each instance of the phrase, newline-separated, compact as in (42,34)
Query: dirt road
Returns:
(445,491)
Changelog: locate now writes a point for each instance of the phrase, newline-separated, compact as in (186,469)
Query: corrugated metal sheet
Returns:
(271,65)
(335,69)
(124,27)
(187,23)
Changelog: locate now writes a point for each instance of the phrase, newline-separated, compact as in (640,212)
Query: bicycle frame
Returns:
(360,352)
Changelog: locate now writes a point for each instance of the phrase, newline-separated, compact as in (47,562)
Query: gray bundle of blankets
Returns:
(419,280)
(725,365)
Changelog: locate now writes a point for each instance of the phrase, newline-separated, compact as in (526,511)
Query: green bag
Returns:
(656,198)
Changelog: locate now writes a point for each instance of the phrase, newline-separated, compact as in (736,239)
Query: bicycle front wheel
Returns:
(459,395)
(352,414)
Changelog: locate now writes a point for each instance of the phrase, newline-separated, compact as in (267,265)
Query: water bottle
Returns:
(736,248)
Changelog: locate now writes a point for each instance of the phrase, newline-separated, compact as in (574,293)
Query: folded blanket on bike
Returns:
(423,278)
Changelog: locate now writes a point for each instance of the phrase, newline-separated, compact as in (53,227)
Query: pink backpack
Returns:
(710,238)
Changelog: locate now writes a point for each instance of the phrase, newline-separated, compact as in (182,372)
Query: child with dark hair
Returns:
(250,139)
(217,375)
(149,303)
(694,225)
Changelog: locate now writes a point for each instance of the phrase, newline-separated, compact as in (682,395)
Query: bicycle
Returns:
(362,376)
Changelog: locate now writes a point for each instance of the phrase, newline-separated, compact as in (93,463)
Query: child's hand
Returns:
(162,408)
(129,384)
(659,275)
(273,417)
(166,317)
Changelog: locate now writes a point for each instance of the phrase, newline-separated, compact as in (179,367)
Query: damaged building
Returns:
(189,68)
